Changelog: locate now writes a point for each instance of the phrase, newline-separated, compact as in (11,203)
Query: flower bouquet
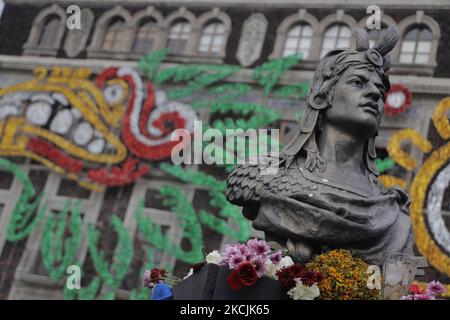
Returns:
(433,290)
(253,271)
(250,271)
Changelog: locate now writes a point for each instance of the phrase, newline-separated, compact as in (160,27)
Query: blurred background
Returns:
(89,96)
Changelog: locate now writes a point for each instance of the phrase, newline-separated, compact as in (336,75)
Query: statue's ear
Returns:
(318,100)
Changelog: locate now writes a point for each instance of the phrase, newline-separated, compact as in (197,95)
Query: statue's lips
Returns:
(371,107)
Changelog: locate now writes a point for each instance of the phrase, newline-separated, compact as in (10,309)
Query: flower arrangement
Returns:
(344,277)
(161,283)
(254,259)
(334,275)
(301,283)
(248,261)
(434,289)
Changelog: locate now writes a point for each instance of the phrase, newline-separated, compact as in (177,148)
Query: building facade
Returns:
(35,43)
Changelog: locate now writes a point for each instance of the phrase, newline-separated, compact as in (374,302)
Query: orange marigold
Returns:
(344,276)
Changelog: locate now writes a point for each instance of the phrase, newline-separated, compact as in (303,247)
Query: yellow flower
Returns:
(345,276)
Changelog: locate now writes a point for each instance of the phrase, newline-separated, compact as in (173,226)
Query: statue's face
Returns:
(358,102)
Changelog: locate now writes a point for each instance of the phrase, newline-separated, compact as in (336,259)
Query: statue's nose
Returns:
(373,92)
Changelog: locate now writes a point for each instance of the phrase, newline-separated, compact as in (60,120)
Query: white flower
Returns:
(302,292)
(271,270)
(285,262)
(191,272)
(213,257)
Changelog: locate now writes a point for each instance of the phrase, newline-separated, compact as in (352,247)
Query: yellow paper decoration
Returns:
(424,241)
(389,181)
(440,118)
(401,157)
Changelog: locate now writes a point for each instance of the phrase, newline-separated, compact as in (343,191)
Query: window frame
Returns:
(96,50)
(137,20)
(32,46)
(203,21)
(300,17)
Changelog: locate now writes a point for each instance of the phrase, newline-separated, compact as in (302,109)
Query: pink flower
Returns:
(276,257)
(243,249)
(260,266)
(259,247)
(230,250)
(246,252)
(423,296)
(435,288)
(147,280)
(408,297)
(235,260)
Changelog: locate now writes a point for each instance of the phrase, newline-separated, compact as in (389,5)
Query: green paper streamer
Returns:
(269,73)
(218,200)
(295,91)
(122,257)
(53,241)
(200,77)
(174,198)
(149,64)
(384,164)
(23,218)
(87,293)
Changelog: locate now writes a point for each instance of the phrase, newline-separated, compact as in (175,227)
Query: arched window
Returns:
(145,37)
(212,38)
(179,35)
(298,40)
(47,32)
(336,36)
(115,36)
(416,45)
(49,35)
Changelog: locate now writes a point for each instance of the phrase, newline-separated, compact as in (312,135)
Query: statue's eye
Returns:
(357,82)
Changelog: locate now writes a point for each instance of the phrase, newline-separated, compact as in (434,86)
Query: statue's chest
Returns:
(290,181)
(296,179)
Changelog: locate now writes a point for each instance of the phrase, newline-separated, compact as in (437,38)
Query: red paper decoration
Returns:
(128,173)
(398,100)
(49,151)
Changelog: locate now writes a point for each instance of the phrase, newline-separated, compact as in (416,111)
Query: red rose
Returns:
(287,275)
(415,289)
(310,277)
(244,275)
(156,274)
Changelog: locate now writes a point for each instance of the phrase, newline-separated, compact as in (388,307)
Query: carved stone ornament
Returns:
(252,39)
(76,40)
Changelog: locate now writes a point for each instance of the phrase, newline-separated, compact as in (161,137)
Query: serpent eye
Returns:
(115,92)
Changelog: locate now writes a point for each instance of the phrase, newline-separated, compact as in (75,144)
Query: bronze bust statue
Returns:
(326,193)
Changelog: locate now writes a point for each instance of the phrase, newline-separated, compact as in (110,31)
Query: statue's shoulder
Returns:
(247,182)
